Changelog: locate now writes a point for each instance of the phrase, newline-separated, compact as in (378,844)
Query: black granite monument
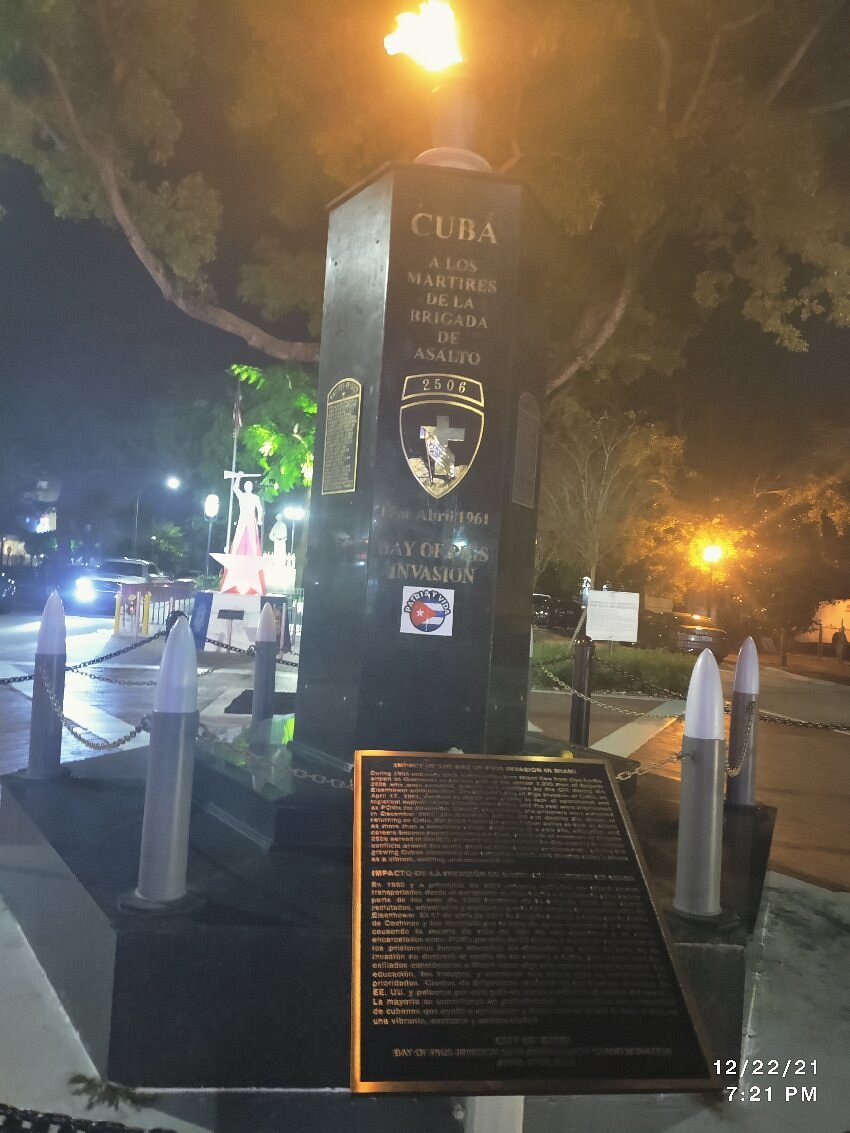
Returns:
(420,558)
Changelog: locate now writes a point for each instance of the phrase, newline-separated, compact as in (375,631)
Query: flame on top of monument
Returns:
(429,37)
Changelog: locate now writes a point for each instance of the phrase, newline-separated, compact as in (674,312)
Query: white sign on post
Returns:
(612,615)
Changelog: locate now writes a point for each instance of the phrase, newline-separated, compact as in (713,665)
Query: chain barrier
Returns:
(322,780)
(763,714)
(645,768)
(16,680)
(76,730)
(734,772)
(115,653)
(601,703)
(36,1121)
(230,648)
(78,668)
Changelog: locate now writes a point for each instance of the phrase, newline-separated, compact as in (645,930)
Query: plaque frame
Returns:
(532,1085)
(339,399)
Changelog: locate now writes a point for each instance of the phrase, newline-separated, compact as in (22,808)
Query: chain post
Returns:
(700,842)
(45,749)
(265,663)
(580,707)
(164,853)
(743,729)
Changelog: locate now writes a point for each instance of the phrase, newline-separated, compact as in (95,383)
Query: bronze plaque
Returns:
(524,483)
(504,938)
(342,429)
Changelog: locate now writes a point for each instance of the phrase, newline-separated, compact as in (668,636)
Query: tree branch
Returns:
(827,108)
(784,76)
(192,306)
(666,68)
(710,60)
(603,332)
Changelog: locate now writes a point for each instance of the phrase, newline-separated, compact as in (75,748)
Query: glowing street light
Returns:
(711,555)
(211,510)
(429,37)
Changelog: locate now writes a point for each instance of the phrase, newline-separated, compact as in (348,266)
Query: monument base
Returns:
(251,989)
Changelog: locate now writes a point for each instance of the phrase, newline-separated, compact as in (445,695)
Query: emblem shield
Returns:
(441,422)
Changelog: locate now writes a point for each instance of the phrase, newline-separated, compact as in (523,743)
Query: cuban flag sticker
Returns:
(427,611)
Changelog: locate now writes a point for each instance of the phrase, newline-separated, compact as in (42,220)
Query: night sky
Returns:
(84,330)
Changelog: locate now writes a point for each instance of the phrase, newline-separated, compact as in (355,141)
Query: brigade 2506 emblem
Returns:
(441,421)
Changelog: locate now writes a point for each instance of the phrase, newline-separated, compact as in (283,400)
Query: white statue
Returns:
(278,535)
(246,537)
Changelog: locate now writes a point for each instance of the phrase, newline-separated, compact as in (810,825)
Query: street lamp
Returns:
(170,482)
(210,511)
(711,555)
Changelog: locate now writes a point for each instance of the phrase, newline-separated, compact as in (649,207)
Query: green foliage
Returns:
(279,425)
(166,546)
(623,669)
(690,154)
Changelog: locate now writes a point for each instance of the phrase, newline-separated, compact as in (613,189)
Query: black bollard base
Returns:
(133,902)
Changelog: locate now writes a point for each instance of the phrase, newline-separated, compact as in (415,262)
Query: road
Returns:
(18,634)
(803,772)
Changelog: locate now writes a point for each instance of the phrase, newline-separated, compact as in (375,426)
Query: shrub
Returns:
(622,669)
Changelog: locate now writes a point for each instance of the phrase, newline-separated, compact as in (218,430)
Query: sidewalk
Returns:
(825,668)
(798,1005)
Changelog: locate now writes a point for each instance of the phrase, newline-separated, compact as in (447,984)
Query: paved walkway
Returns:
(798,1016)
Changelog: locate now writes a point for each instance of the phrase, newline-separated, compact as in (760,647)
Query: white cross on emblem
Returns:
(441,459)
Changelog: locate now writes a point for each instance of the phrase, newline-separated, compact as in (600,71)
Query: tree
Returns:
(606,482)
(280,425)
(690,153)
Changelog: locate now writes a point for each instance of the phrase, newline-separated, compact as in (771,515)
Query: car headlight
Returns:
(84,590)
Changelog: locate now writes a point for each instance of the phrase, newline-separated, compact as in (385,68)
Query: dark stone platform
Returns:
(252,988)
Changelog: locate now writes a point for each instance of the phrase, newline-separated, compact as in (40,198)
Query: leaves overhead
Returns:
(691,153)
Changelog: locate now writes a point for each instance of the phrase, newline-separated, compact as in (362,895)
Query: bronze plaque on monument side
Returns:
(505,939)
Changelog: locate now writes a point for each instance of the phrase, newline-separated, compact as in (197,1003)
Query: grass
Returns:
(621,669)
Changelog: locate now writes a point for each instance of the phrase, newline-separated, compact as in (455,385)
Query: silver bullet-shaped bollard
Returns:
(743,728)
(494,1114)
(700,843)
(48,693)
(265,665)
(164,852)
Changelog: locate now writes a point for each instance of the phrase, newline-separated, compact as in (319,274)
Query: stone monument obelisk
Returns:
(420,558)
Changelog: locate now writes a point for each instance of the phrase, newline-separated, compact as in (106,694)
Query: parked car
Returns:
(556,613)
(93,589)
(541,608)
(682,633)
(7,592)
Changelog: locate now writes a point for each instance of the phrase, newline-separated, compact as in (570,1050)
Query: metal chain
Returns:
(114,680)
(645,768)
(36,1121)
(601,703)
(768,717)
(16,680)
(115,653)
(734,772)
(231,648)
(75,729)
(322,780)
(133,684)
